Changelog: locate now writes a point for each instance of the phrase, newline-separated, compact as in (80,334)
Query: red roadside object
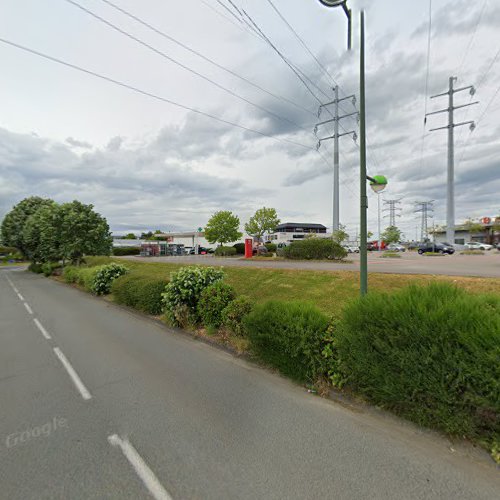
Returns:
(248,248)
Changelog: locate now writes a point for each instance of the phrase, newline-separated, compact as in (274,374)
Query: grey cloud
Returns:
(78,144)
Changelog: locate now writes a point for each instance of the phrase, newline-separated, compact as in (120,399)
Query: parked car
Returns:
(351,248)
(201,251)
(436,248)
(396,247)
(260,250)
(476,245)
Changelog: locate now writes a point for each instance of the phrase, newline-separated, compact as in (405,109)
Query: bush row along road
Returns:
(98,402)
(487,265)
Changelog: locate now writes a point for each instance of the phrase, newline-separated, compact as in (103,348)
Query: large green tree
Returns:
(263,221)
(41,234)
(223,227)
(392,234)
(14,222)
(83,232)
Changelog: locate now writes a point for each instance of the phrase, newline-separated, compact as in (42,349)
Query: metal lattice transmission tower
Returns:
(427,209)
(336,120)
(450,194)
(393,210)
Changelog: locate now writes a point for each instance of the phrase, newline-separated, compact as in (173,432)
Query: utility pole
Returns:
(392,208)
(450,195)
(426,208)
(335,119)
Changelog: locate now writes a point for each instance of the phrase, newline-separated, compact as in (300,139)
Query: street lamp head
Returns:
(333,3)
(379,183)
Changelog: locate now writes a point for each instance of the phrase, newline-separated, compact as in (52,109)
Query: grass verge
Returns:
(330,291)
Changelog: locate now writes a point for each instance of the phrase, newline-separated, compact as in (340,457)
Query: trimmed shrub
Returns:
(315,248)
(213,300)
(126,251)
(35,268)
(225,251)
(271,247)
(70,274)
(234,314)
(240,248)
(139,292)
(431,354)
(86,277)
(105,275)
(49,268)
(289,336)
(184,290)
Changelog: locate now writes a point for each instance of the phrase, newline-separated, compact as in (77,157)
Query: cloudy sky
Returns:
(146,163)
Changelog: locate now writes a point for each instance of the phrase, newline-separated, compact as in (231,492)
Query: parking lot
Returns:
(487,265)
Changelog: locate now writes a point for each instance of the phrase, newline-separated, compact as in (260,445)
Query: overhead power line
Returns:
(306,47)
(149,94)
(180,64)
(202,56)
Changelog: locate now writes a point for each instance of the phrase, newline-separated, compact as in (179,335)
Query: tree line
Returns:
(46,231)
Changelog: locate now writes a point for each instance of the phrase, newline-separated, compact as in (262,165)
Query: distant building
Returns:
(293,231)
(463,235)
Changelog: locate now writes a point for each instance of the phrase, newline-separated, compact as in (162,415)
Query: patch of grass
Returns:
(330,291)
(472,252)
(391,255)
(433,254)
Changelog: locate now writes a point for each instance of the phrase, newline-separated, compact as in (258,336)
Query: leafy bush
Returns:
(431,354)
(315,248)
(240,248)
(234,314)
(271,247)
(86,278)
(182,294)
(225,251)
(139,292)
(70,274)
(126,250)
(289,336)
(105,275)
(35,268)
(49,268)
(213,300)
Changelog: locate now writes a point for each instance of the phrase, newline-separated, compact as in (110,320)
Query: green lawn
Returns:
(328,290)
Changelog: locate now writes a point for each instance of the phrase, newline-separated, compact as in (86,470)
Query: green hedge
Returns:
(271,247)
(315,248)
(225,251)
(139,292)
(126,251)
(240,248)
(289,336)
(431,354)
(233,315)
(213,300)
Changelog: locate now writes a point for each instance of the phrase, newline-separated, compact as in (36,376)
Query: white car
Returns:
(475,245)
(396,247)
(351,248)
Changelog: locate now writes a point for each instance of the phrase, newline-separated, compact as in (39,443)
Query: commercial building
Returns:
(293,231)
(489,232)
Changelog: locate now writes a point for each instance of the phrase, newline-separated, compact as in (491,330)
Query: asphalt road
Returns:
(97,402)
(487,265)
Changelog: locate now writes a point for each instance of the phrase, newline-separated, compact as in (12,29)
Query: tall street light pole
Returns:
(362,148)
(362,162)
